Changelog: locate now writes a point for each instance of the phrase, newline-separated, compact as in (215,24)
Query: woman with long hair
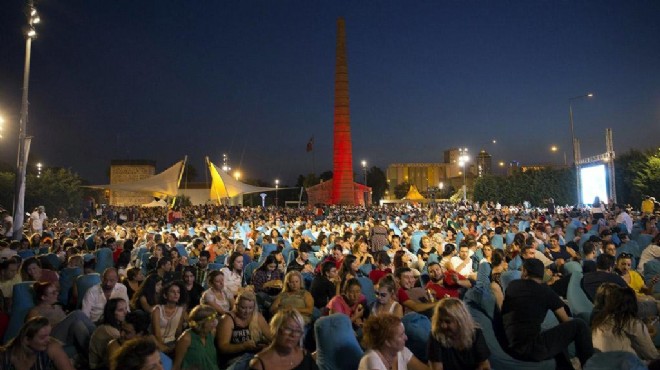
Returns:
(193,289)
(195,348)
(286,351)
(216,295)
(33,348)
(385,339)
(146,297)
(241,333)
(134,277)
(616,327)
(385,301)
(267,279)
(361,251)
(168,317)
(114,314)
(498,266)
(456,342)
(74,328)
(294,296)
(351,303)
(349,268)
(31,270)
(233,273)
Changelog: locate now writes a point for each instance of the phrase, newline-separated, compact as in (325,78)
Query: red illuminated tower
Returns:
(343,191)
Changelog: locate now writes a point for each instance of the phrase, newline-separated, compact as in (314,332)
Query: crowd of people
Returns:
(219,287)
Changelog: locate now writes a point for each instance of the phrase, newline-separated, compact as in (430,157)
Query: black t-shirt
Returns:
(525,306)
(322,290)
(593,280)
(453,359)
(295,266)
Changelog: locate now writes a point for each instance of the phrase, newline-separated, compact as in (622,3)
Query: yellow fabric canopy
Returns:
(413,194)
(223,185)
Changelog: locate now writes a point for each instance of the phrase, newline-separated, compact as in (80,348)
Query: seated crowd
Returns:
(242,288)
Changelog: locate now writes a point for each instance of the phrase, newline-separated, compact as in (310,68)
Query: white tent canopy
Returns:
(155,203)
(164,183)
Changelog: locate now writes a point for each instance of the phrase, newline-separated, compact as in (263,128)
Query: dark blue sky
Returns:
(161,79)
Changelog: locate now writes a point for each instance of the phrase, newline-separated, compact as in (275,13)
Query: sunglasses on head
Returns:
(625,255)
(383,295)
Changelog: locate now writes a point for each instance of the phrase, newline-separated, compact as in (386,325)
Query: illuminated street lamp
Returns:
(39,167)
(462,162)
(225,162)
(277,186)
(23,139)
(237,175)
(575,142)
(364,169)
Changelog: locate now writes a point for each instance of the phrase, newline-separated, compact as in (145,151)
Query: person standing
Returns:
(38,219)
(526,302)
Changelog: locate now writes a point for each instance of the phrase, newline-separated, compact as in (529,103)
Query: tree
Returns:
(325,176)
(55,189)
(377,180)
(534,186)
(647,179)
(627,167)
(401,190)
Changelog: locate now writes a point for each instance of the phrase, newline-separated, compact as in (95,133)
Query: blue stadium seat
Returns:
(337,347)
(83,283)
(417,328)
(22,302)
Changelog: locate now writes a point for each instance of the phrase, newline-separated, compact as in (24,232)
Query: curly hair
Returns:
(379,329)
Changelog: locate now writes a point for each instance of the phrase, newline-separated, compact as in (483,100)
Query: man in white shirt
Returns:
(37,219)
(622,217)
(463,263)
(97,296)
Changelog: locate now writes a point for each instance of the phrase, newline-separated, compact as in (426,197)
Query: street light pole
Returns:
(277,186)
(462,161)
(23,139)
(576,154)
(364,169)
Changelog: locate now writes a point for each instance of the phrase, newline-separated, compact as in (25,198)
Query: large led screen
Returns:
(594,183)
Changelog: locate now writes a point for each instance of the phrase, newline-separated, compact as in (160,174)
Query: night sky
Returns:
(255,79)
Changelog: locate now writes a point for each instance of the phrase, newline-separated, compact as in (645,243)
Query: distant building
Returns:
(122,171)
(484,163)
(429,177)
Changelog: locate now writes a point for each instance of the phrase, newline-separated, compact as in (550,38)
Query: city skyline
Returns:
(118,80)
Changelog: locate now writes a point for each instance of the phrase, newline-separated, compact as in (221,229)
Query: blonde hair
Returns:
(453,309)
(288,277)
(282,316)
(199,315)
(253,326)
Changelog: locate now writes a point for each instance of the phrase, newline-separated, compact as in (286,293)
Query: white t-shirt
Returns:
(466,270)
(38,220)
(372,361)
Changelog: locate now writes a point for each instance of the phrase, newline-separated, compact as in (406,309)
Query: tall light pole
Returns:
(576,152)
(23,139)
(462,161)
(277,186)
(364,170)
(2,124)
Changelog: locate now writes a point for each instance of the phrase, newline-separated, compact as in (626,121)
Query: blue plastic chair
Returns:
(54,261)
(337,347)
(417,328)
(83,283)
(26,253)
(103,259)
(578,301)
(615,360)
(181,248)
(509,276)
(215,266)
(67,278)
(248,271)
(22,302)
(368,289)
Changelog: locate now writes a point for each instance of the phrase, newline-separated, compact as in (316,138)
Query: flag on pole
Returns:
(310,144)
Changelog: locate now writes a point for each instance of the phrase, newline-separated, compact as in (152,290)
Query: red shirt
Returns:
(376,275)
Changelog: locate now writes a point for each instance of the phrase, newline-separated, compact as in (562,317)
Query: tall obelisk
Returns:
(342,177)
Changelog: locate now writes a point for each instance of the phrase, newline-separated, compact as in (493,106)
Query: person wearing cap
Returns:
(38,219)
(526,302)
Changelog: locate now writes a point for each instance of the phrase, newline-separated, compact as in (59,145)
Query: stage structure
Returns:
(596,174)
(341,190)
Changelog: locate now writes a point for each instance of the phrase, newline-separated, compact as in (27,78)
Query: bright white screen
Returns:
(594,183)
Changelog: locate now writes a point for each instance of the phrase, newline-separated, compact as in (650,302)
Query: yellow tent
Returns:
(413,194)
(225,186)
